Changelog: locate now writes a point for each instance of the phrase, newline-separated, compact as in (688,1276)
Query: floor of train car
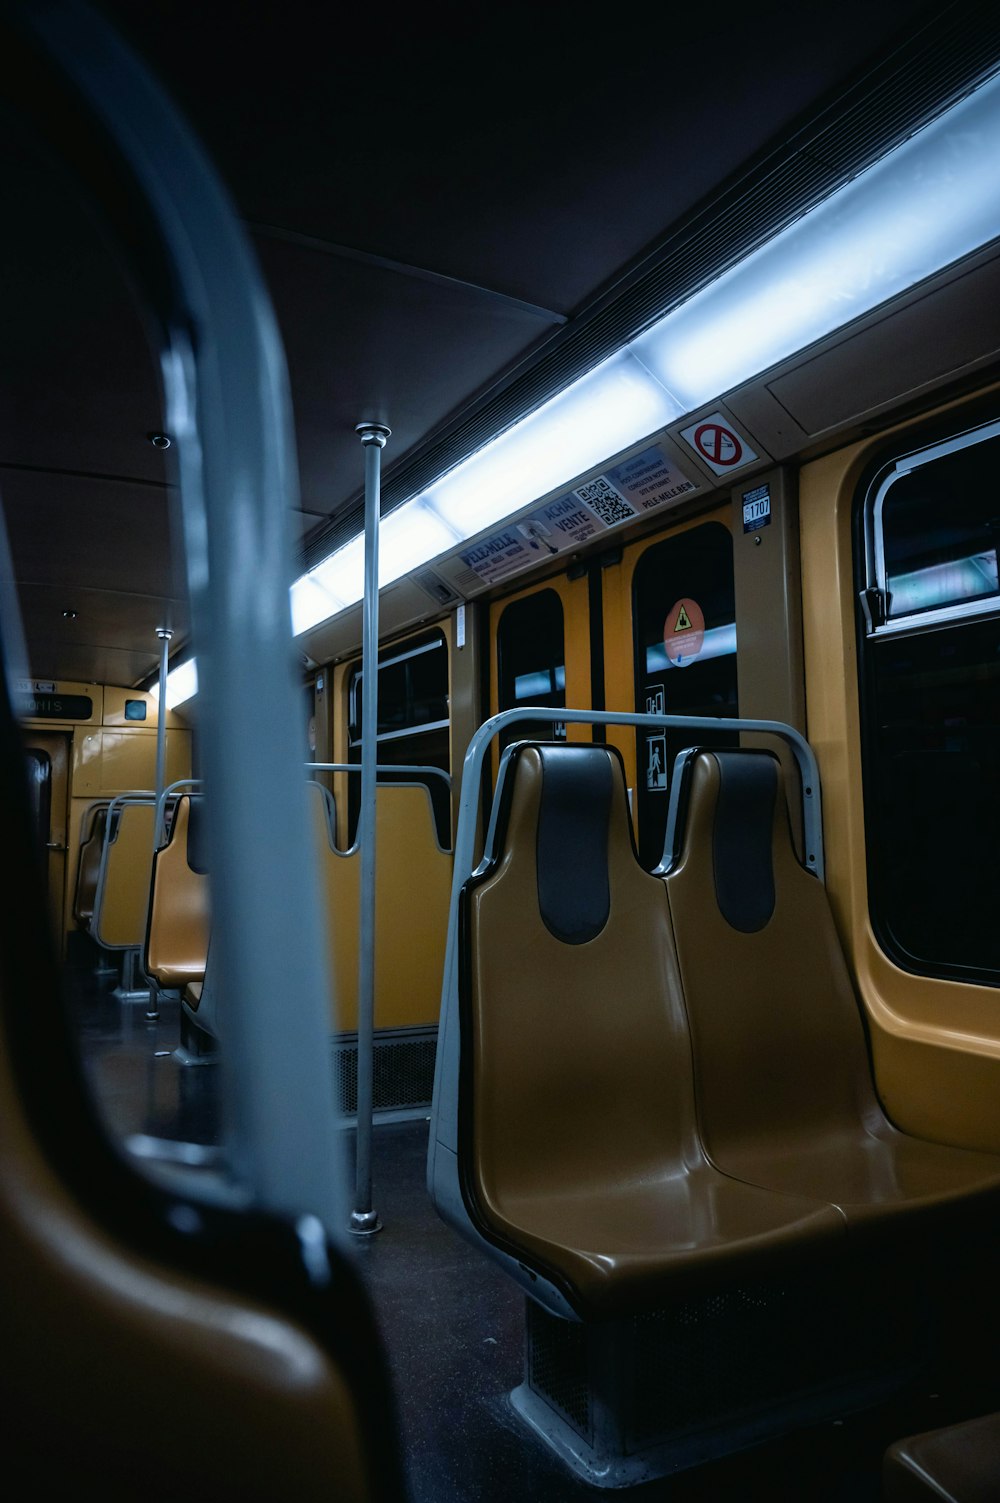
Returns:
(452,1323)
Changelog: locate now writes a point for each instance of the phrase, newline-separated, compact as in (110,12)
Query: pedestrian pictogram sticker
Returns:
(656,764)
(715,440)
(684,632)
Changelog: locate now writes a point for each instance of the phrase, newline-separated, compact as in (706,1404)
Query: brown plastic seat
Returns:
(785,1094)
(959,1464)
(178,924)
(578,1146)
(148,1353)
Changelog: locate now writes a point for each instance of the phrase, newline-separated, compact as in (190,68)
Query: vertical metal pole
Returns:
(164,634)
(364,1219)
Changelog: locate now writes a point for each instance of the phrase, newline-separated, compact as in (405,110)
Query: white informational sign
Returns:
(650,480)
(506,552)
(716,441)
(757,508)
(628,490)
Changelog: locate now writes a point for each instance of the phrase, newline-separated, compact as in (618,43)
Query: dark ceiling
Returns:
(435,196)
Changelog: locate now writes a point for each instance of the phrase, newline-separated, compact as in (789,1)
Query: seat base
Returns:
(622,1402)
(197,1045)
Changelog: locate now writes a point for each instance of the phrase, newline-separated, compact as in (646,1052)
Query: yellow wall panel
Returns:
(412,891)
(935,1042)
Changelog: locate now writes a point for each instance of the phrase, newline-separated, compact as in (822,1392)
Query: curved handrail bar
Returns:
(438,772)
(475,756)
(229,413)
(170,792)
(411,768)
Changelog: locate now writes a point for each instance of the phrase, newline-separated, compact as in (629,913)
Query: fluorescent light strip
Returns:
(182,684)
(600,414)
(931,201)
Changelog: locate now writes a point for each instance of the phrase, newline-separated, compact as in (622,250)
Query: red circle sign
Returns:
(719,445)
(684,631)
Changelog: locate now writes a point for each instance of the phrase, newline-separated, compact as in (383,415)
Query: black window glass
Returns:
(932,790)
(135,709)
(940,526)
(412,688)
(531,659)
(413,724)
(684,614)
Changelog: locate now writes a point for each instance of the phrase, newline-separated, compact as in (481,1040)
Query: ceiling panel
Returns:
(533,149)
(368,343)
(110,630)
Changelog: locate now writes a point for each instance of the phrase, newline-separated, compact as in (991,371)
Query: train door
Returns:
(669,635)
(541,655)
(47,755)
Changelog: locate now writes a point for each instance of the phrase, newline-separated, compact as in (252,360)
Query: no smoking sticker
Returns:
(715,440)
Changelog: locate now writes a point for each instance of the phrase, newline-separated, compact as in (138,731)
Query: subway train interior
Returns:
(500,733)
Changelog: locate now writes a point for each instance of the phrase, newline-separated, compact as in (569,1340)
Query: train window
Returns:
(934,523)
(531,663)
(413,722)
(684,620)
(931,723)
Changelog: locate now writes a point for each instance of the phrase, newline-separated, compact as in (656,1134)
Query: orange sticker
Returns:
(684,631)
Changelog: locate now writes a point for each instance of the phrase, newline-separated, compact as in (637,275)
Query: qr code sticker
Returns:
(606,501)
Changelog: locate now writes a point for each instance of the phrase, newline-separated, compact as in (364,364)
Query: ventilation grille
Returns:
(719,1361)
(403,1077)
(435,587)
(557,1366)
(466,581)
(931,69)
(747,1349)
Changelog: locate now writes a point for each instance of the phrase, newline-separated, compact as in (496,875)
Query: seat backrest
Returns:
(221,1314)
(412,888)
(575,1056)
(122,900)
(89,865)
(779,1045)
(178,924)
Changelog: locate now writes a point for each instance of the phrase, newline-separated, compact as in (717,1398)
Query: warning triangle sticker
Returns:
(683,622)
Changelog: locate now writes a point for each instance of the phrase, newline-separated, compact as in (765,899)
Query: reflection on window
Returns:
(684,615)
(531,663)
(942,584)
(719,642)
(529,687)
(937,527)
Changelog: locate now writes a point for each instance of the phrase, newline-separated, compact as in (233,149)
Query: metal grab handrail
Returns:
(169,792)
(468,807)
(229,414)
(410,767)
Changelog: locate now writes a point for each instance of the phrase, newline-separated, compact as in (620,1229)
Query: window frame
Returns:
(868,565)
(874,592)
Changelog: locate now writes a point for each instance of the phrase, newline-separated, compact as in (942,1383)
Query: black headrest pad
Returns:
(741,838)
(572,841)
(197,845)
